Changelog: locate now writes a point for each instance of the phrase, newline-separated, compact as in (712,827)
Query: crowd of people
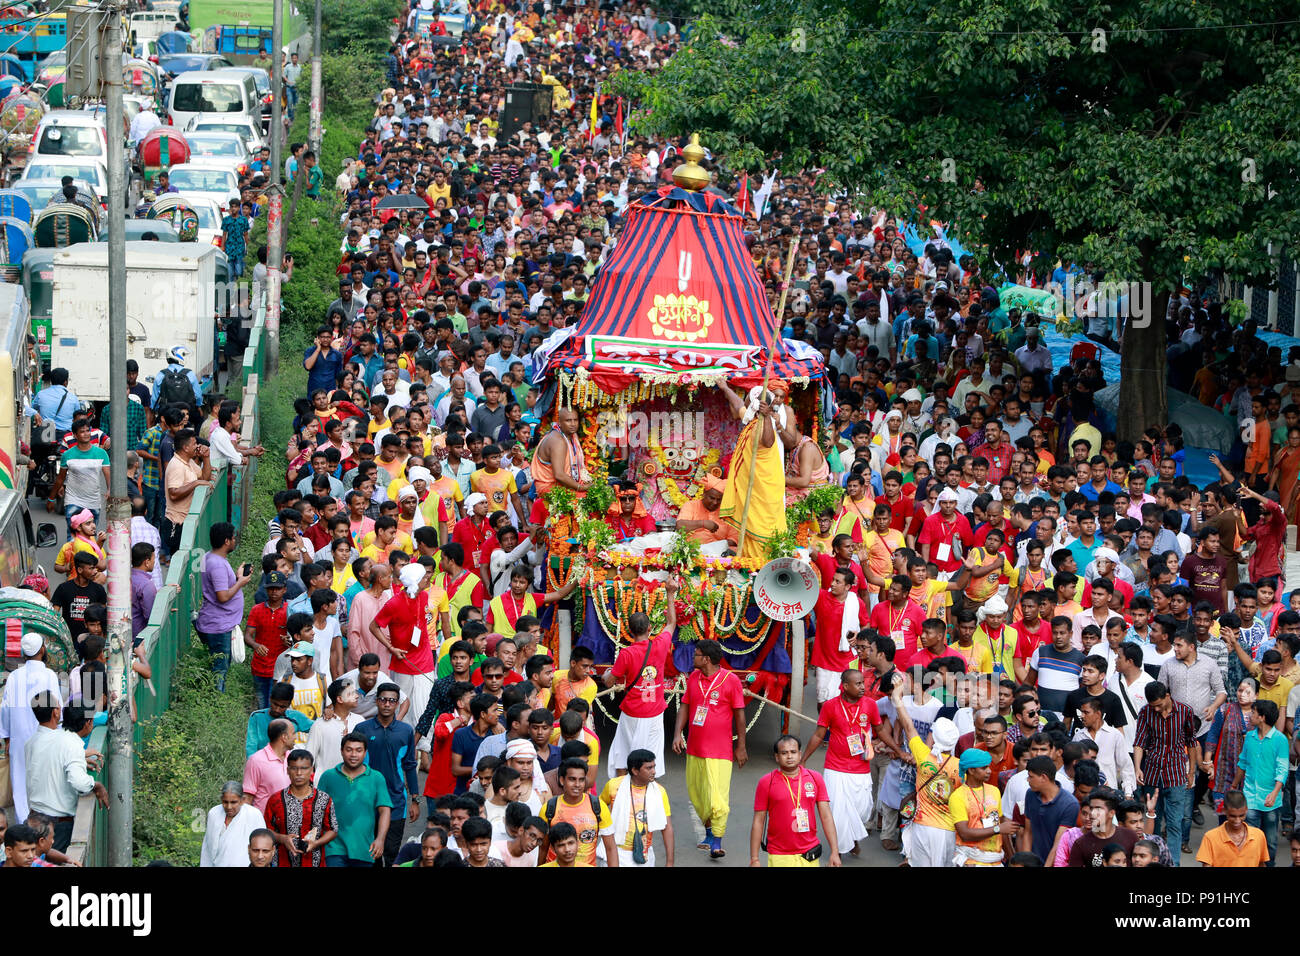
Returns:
(1034,644)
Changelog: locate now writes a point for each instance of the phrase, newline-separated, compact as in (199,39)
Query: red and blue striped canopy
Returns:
(679,292)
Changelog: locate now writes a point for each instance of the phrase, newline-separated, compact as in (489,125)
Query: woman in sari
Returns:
(1286,470)
(1225,740)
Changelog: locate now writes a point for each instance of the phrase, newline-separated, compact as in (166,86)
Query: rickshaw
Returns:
(10,84)
(10,65)
(16,204)
(15,239)
(162,148)
(38,283)
(172,209)
(140,77)
(63,223)
(20,114)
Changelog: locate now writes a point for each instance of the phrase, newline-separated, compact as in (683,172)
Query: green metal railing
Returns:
(171,625)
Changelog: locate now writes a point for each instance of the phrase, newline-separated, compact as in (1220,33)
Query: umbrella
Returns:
(401,202)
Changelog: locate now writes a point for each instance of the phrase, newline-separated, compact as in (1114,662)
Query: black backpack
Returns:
(175,388)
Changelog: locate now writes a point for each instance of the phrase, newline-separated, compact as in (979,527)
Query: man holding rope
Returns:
(644,662)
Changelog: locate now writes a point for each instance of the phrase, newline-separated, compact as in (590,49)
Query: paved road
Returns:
(744,781)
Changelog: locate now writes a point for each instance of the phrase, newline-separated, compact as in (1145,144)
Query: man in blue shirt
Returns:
(259,720)
(57,403)
(1262,771)
(195,385)
(390,749)
(1047,808)
(1100,482)
(323,362)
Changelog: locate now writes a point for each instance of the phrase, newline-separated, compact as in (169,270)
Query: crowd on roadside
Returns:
(1036,644)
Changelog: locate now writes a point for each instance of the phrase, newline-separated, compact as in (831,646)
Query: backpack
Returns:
(175,388)
(554,802)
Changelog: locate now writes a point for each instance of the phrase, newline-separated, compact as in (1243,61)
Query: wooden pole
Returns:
(767,376)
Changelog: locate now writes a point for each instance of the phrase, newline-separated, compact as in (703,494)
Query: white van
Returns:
(213,91)
(150,24)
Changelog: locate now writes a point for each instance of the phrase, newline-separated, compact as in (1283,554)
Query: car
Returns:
(70,133)
(210,215)
(132,104)
(56,167)
(263,81)
(174,64)
(225,148)
(211,179)
(237,123)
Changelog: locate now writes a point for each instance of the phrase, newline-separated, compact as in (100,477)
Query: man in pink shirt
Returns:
(363,609)
(1137,495)
(267,771)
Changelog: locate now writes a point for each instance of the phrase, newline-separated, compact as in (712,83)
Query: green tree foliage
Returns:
(1140,137)
(367,25)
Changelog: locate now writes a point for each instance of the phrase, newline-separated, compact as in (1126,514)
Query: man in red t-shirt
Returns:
(900,505)
(788,802)
(266,636)
(412,666)
(714,702)
(899,618)
(849,720)
(640,667)
(933,646)
(832,640)
(842,556)
(942,532)
(1031,631)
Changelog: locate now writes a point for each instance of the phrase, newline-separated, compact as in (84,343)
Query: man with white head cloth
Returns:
(930,839)
(17,719)
(400,625)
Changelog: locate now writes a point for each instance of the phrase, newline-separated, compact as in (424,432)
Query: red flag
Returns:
(618,120)
(742,200)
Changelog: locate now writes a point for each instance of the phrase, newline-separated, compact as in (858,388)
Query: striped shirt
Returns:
(1164,742)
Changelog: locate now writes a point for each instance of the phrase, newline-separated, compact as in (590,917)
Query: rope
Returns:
(780,707)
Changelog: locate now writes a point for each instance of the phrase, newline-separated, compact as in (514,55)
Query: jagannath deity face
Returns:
(682,459)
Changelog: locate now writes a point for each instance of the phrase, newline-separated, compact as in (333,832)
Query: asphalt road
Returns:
(760,739)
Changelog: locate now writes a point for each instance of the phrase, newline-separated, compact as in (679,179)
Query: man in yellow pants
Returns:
(714,703)
(788,802)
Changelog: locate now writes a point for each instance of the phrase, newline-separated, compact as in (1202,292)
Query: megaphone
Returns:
(786,589)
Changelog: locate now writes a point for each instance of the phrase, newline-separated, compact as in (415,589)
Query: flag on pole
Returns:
(763,194)
(618,120)
(595,115)
(742,198)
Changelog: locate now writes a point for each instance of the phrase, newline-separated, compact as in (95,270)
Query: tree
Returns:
(1138,138)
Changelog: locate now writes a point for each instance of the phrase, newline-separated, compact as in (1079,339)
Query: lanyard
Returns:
(796,794)
(895,621)
(713,683)
(857,715)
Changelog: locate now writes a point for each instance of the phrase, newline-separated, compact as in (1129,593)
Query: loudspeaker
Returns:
(525,103)
(786,589)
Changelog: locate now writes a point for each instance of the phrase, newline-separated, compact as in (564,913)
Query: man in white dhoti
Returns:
(849,720)
(17,720)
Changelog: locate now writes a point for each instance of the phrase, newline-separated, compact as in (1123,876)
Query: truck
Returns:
(170,294)
(18,375)
(241,29)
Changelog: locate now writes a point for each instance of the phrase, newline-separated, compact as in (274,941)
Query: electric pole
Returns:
(315,135)
(275,213)
(121,763)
